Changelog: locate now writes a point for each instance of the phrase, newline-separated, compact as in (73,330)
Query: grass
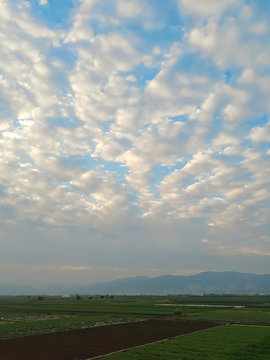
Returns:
(232,342)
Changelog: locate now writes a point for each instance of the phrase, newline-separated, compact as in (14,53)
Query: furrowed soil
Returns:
(87,343)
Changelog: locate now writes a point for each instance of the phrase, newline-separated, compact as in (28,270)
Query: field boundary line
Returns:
(153,342)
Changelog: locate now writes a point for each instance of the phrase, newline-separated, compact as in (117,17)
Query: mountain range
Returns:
(202,283)
(199,284)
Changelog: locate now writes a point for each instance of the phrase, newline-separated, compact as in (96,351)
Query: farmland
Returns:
(233,342)
(95,341)
(22,316)
(25,315)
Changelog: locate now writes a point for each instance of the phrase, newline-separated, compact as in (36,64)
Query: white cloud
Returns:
(200,165)
(113,52)
(119,137)
(225,43)
(103,188)
(126,118)
(81,30)
(259,133)
(246,12)
(58,63)
(232,150)
(156,50)
(207,7)
(221,43)
(108,150)
(131,78)
(259,28)
(247,76)
(98,89)
(26,80)
(226,139)
(129,8)
(4,125)
(139,173)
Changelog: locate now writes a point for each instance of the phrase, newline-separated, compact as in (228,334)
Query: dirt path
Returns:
(87,343)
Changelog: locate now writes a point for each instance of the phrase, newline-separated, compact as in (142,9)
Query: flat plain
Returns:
(247,320)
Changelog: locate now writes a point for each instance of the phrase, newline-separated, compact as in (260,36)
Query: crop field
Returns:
(23,316)
(20,316)
(244,316)
(96,341)
(233,342)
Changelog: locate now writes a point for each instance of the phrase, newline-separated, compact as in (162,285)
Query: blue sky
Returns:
(134,135)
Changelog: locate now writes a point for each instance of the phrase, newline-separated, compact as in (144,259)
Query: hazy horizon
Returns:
(134,139)
(201,283)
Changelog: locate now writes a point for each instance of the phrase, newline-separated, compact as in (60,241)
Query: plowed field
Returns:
(91,342)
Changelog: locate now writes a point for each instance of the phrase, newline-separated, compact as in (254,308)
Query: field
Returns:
(233,342)
(96,341)
(26,316)
(244,316)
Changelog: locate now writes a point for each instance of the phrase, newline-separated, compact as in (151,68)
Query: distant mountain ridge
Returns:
(203,283)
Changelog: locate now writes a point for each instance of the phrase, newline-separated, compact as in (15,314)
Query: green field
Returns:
(232,342)
(244,316)
(21,316)
(24,315)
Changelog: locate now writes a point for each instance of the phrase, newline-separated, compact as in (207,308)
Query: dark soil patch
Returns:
(87,343)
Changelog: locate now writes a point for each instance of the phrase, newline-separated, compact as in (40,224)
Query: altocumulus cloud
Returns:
(133,136)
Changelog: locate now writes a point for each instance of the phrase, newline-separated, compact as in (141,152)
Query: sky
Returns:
(134,138)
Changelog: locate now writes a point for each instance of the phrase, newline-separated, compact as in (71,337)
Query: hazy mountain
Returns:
(17,290)
(206,282)
(203,283)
